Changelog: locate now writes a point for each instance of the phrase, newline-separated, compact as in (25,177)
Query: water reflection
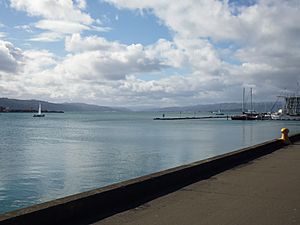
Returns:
(63,154)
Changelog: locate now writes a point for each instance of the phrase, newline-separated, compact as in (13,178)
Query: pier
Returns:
(265,191)
(255,185)
(191,118)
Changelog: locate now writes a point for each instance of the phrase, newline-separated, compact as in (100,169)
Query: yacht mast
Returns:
(243,103)
(251,108)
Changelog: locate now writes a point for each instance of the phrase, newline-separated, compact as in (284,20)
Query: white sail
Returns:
(40,109)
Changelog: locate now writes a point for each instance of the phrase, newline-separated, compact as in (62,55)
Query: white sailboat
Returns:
(39,114)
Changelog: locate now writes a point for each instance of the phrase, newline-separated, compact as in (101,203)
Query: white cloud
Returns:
(164,52)
(47,37)
(27,28)
(10,57)
(264,37)
(169,53)
(96,58)
(38,60)
(61,27)
(59,17)
(191,18)
(76,43)
(215,19)
(53,10)
(100,74)
(214,52)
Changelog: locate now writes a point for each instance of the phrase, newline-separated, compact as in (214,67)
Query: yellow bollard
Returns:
(285,136)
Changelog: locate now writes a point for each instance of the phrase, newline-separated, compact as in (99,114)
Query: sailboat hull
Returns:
(39,115)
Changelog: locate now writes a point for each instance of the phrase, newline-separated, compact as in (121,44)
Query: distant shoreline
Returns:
(29,111)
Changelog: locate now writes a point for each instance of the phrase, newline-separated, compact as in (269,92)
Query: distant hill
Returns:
(17,104)
(225,107)
(67,107)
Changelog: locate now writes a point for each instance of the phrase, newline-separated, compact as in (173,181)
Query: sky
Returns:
(150,53)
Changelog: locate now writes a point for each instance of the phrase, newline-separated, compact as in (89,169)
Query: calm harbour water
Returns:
(46,158)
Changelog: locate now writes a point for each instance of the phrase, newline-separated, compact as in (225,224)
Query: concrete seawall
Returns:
(99,203)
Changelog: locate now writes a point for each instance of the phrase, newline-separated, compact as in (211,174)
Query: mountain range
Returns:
(16,104)
(225,107)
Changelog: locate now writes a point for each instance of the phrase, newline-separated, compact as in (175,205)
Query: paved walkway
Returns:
(265,191)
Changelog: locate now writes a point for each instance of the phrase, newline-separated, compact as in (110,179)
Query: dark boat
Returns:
(244,117)
(36,115)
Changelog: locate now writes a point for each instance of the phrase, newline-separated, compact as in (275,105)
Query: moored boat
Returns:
(290,110)
(250,115)
(218,113)
(245,116)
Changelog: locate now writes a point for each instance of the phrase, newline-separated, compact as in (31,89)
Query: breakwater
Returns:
(99,203)
(191,118)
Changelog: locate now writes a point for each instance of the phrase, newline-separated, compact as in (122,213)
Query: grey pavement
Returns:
(265,191)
